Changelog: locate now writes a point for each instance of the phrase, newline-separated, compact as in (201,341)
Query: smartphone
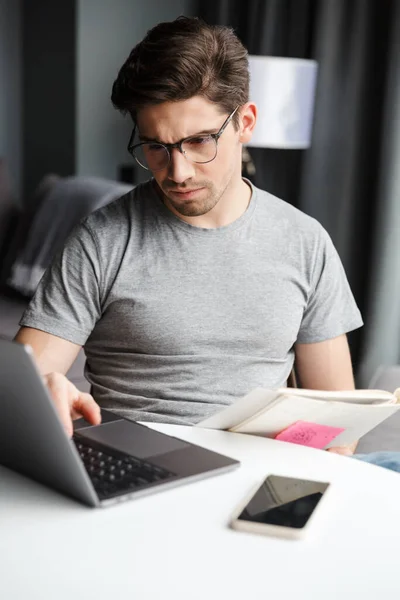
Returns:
(280,506)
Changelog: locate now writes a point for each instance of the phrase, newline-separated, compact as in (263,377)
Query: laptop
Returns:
(101,465)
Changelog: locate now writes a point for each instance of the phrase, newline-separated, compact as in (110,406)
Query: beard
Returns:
(202,203)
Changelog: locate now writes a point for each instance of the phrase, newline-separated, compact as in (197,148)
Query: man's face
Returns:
(192,189)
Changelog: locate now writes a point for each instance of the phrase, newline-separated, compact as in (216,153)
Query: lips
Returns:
(185,191)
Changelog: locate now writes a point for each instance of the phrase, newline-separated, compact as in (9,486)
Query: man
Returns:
(195,287)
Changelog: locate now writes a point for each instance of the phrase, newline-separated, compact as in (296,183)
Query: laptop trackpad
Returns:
(133,438)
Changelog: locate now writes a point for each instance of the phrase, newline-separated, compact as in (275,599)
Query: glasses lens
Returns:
(200,149)
(152,156)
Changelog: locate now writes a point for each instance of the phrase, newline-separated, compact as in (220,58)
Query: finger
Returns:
(343,450)
(85,406)
(60,393)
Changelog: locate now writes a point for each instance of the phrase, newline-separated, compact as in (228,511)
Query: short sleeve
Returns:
(67,302)
(331,309)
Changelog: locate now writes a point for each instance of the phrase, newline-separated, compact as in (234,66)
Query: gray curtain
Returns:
(347,179)
(382,331)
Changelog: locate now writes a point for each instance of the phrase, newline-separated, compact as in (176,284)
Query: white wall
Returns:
(10,89)
(107,30)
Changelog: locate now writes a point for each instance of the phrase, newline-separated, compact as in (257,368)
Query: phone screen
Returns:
(284,501)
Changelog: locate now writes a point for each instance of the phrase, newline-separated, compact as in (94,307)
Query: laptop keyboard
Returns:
(114,473)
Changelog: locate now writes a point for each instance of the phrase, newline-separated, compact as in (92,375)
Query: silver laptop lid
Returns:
(32,438)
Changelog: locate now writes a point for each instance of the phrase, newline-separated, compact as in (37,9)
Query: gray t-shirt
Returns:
(179,321)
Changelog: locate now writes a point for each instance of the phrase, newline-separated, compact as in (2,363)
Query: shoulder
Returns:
(280,213)
(122,215)
(300,230)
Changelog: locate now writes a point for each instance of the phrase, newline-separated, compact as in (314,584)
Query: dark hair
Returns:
(181,59)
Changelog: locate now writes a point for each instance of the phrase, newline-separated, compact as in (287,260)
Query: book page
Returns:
(254,402)
(354,396)
(356,420)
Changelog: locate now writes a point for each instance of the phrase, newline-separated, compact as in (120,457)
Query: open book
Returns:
(310,417)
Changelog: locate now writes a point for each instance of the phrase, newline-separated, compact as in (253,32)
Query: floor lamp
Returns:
(284,91)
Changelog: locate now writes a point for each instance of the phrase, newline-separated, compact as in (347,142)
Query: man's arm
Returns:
(52,353)
(54,357)
(326,366)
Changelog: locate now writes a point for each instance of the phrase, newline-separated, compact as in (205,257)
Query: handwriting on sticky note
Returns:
(309,434)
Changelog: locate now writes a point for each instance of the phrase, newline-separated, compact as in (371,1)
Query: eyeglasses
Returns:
(155,156)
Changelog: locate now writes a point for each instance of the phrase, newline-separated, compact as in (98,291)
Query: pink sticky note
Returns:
(309,434)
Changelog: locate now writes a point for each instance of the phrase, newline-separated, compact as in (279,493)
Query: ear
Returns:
(248,118)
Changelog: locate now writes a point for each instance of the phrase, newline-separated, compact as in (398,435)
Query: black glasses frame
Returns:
(178,145)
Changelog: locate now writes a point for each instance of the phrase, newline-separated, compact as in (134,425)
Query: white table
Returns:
(176,544)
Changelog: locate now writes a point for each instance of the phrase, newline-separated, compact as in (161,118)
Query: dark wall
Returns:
(10,90)
(49,80)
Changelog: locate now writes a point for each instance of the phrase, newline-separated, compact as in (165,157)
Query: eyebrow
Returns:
(144,138)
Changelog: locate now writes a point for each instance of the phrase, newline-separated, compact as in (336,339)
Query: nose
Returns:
(180,169)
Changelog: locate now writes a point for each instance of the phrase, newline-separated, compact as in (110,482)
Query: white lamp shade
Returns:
(284,91)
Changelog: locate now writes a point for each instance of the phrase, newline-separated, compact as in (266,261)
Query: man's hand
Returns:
(326,366)
(70,402)
(345,450)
